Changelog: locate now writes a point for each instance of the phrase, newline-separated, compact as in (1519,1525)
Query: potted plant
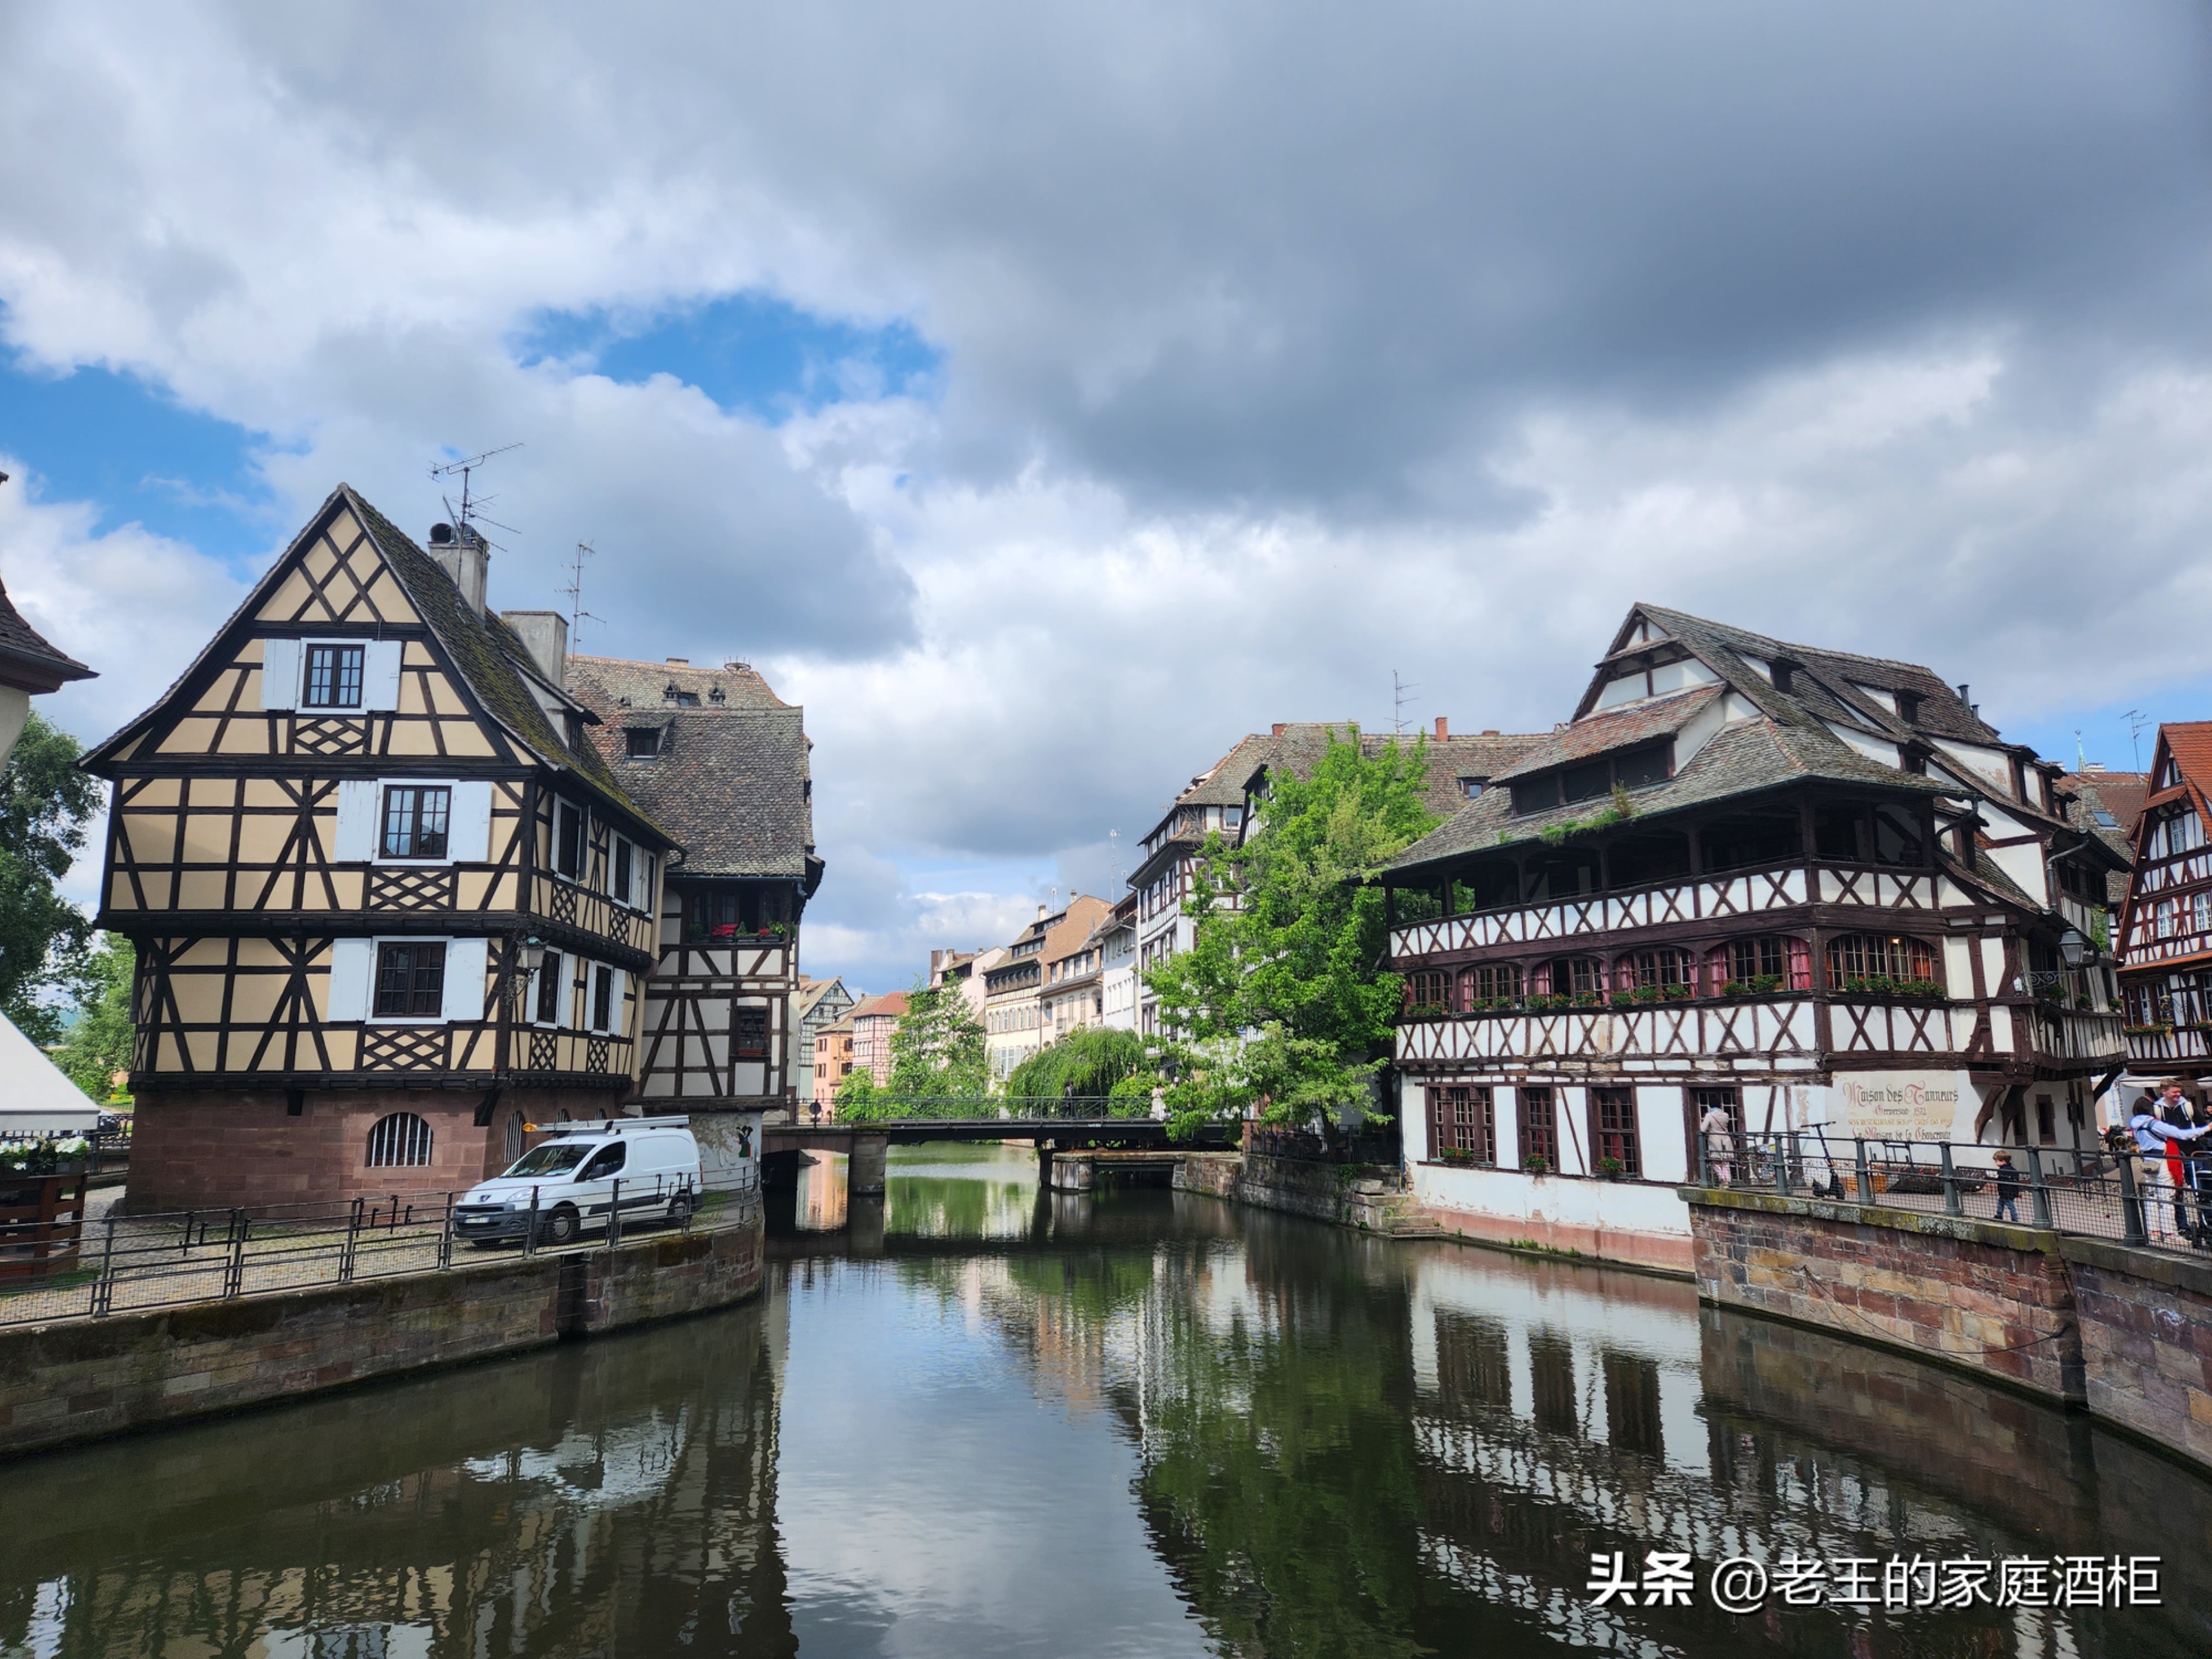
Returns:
(1611,1169)
(1536,1164)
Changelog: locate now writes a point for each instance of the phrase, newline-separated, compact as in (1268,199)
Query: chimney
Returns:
(546,633)
(2090,767)
(1962,691)
(1442,732)
(1489,731)
(1278,728)
(1043,912)
(462,555)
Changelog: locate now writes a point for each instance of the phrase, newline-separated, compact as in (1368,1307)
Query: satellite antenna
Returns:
(1398,691)
(469,514)
(577,615)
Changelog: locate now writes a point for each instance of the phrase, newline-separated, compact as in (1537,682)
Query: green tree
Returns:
(1088,1061)
(1282,1002)
(99,1045)
(938,1050)
(45,805)
(859,1100)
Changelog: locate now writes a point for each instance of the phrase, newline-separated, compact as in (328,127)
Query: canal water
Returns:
(973,1419)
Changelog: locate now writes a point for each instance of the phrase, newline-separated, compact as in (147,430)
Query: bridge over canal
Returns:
(1052,1126)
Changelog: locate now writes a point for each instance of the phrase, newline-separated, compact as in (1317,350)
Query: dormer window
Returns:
(1631,769)
(1784,675)
(718,696)
(1908,710)
(1470,787)
(641,742)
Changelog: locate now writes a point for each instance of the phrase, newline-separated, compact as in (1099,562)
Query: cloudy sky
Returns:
(1045,395)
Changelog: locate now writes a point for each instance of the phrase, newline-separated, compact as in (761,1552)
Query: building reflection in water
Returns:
(609,1497)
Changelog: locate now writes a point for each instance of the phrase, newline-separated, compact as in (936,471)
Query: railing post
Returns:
(1952,1204)
(1785,1144)
(1866,1177)
(2132,1230)
(445,1236)
(1704,1162)
(234,1281)
(103,1288)
(2037,1189)
(352,1242)
(614,1214)
(530,1226)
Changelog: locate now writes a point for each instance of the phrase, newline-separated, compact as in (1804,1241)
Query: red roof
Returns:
(890,1005)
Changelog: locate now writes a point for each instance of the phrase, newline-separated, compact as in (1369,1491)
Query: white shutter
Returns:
(467,961)
(355,841)
(379,674)
(352,963)
(565,989)
(469,828)
(618,1020)
(280,673)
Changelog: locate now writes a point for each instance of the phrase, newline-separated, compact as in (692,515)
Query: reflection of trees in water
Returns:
(615,1497)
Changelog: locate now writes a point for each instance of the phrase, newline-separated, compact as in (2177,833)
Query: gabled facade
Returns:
(817,1005)
(1014,1026)
(388,901)
(722,763)
(2166,921)
(873,1022)
(1809,889)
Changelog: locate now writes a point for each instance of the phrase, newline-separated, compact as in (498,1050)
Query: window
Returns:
(399,1141)
(751,1039)
(1698,1102)
(1587,781)
(1471,788)
(1492,985)
(1489,886)
(1540,1130)
(415,819)
(1857,959)
(1638,861)
(2047,1120)
(549,990)
(1564,874)
(641,742)
(1462,1120)
(333,676)
(568,840)
(603,998)
(1908,710)
(1428,990)
(618,884)
(1581,978)
(1766,962)
(1657,970)
(1631,769)
(1612,1131)
(410,980)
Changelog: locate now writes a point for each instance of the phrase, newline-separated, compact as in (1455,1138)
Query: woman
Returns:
(1720,1142)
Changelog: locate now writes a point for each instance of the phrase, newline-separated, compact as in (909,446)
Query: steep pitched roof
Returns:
(1613,729)
(731,787)
(622,682)
(26,661)
(489,658)
(890,1006)
(1746,757)
(1298,746)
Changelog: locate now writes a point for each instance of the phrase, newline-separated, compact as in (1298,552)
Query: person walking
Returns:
(2153,1137)
(2008,1184)
(1720,1143)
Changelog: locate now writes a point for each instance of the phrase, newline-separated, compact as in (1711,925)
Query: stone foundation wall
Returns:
(1346,1195)
(212,1149)
(2127,1333)
(86,1378)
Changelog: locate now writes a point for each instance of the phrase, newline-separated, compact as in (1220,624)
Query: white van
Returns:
(649,1165)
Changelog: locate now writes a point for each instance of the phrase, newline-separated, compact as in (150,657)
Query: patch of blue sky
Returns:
(2119,735)
(751,353)
(112,440)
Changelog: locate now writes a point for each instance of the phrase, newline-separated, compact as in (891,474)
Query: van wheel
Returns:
(559,1227)
(679,1210)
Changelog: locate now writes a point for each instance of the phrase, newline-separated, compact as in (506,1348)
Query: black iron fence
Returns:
(977,1107)
(2090,1191)
(124,1264)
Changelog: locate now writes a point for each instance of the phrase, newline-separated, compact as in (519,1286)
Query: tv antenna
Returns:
(1399,690)
(577,615)
(468,515)
(2136,721)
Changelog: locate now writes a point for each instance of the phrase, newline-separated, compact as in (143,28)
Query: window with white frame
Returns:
(568,840)
(417,819)
(330,676)
(629,874)
(407,980)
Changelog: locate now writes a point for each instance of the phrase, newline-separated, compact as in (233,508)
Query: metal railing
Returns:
(2090,1191)
(110,1148)
(978,1108)
(132,1263)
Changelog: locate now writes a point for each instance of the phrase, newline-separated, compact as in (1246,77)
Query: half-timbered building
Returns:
(2166,921)
(388,900)
(720,762)
(1809,889)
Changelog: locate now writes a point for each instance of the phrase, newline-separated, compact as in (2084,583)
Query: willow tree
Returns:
(1282,1002)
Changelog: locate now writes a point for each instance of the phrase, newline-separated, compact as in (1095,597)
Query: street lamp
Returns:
(2074,944)
(529,956)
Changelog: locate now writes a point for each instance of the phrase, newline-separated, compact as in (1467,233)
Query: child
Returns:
(2009,1185)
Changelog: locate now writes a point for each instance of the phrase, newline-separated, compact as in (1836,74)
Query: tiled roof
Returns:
(1616,728)
(1223,785)
(729,784)
(2121,796)
(890,1006)
(620,683)
(1746,757)
(1299,746)
(25,658)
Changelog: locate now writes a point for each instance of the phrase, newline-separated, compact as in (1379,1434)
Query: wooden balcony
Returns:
(1713,898)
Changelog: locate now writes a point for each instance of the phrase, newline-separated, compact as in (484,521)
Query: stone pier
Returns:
(864,1174)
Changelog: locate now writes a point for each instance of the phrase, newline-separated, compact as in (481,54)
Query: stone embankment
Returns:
(2080,1322)
(1369,1198)
(81,1379)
